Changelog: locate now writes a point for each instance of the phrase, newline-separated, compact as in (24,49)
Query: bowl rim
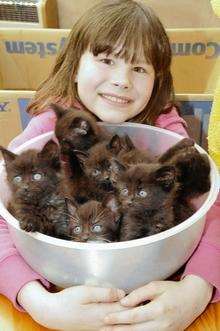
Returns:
(211,197)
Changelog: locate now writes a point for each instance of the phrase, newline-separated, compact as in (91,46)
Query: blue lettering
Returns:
(30,47)
(52,48)
(216,49)
(181,48)
(14,47)
(3,106)
(198,48)
(42,51)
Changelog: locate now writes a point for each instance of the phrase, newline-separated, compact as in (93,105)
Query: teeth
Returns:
(114,99)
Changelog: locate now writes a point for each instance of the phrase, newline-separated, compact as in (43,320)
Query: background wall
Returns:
(173,13)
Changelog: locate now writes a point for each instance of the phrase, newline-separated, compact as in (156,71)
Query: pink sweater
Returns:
(15,272)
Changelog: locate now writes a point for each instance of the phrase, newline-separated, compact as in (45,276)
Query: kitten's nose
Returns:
(25,186)
(85,238)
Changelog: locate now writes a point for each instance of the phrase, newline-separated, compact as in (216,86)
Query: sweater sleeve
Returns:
(173,122)
(38,125)
(205,260)
(14,271)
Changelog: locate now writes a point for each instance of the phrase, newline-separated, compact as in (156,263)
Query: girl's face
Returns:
(112,89)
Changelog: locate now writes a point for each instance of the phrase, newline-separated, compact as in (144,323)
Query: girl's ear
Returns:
(51,153)
(59,111)
(165,176)
(7,155)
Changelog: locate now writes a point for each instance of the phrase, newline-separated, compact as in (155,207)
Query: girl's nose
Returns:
(122,79)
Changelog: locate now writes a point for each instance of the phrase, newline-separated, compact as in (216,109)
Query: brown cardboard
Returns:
(172,13)
(27,56)
(13,118)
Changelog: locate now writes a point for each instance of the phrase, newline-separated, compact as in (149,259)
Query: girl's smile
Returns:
(113,89)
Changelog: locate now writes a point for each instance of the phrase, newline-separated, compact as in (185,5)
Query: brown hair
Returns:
(104,26)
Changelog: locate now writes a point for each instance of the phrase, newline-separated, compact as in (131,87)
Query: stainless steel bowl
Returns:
(125,265)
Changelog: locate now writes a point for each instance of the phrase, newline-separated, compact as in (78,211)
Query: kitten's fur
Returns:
(102,160)
(77,129)
(94,221)
(194,168)
(37,184)
(147,194)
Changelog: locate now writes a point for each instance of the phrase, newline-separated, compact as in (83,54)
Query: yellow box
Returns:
(13,117)
(27,56)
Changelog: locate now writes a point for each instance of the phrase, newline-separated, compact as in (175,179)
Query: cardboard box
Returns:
(28,55)
(13,118)
(173,13)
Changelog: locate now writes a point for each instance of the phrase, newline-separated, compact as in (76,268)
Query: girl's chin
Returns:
(112,118)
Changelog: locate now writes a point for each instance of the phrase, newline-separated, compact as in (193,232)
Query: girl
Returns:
(116,64)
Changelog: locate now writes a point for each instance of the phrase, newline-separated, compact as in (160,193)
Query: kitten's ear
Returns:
(117,167)
(51,152)
(115,144)
(71,205)
(181,145)
(111,202)
(165,176)
(7,155)
(128,143)
(59,111)
(81,156)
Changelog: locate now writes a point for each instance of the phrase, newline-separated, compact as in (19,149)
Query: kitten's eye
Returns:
(124,191)
(96,172)
(37,176)
(77,230)
(142,193)
(17,179)
(97,228)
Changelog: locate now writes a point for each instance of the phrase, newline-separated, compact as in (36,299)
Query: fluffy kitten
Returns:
(193,168)
(147,193)
(101,162)
(37,185)
(77,129)
(94,221)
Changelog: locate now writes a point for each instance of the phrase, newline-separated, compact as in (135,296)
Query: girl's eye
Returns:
(140,70)
(124,191)
(37,176)
(17,179)
(142,193)
(77,230)
(107,61)
(96,172)
(97,228)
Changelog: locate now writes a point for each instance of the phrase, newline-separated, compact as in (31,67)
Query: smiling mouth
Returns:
(116,99)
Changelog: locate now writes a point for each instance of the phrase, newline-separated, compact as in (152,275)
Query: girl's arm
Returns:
(14,271)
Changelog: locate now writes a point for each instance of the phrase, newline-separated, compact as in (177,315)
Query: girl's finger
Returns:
(149,326)
(145,313)
(147,292)
(99,294)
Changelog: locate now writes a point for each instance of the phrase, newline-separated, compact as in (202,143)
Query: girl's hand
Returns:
(173,307)
(75,308)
